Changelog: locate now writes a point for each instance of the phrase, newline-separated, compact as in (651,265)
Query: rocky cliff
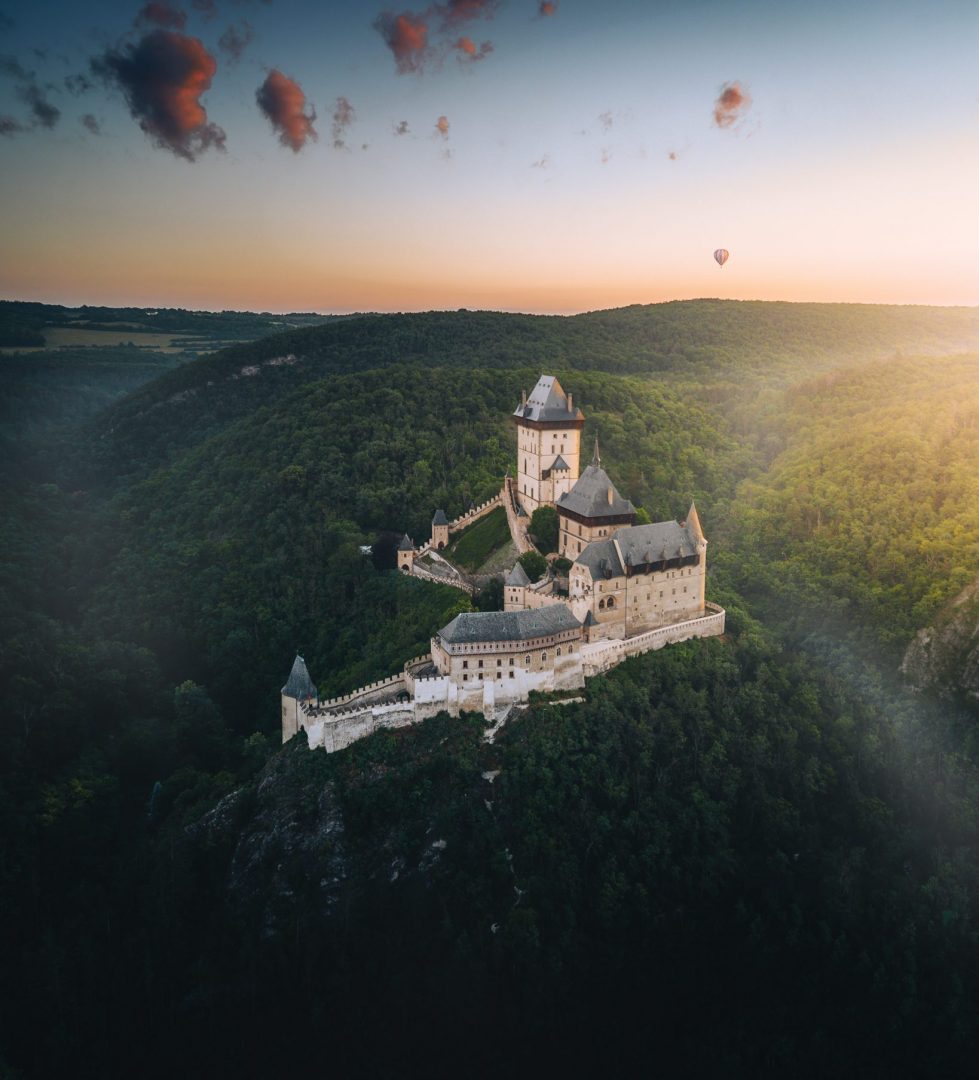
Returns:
(945,655)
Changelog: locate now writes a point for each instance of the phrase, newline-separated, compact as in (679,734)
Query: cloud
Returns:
(235,40)
(606,120)
(456,12)
(6,23)
(442,126)
(542,163)
(406,35)
(731,104)
(606,155)
(207,8)
(547,7)
(401,127)
(343,117)
(282,100)
(159,13)
(468,53)
(43,113)
(9,126)
(89,122)
(78,84)
(162,77)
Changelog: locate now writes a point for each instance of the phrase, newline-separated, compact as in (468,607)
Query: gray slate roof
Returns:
(560,463)
(440,518)
(518,576)
(479,626)
(639,544)
(299,685)
(589,497)
(547,401)
(406,544)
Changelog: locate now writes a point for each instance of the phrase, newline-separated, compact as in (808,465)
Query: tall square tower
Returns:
(548,444)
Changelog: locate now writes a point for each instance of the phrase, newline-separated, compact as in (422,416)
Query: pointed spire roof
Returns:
(596,457)
(548,402)
(518,576)
(406,543)
(693,524)
(299,685)
(440,518)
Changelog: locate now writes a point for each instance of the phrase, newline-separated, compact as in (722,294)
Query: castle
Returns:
(630,588)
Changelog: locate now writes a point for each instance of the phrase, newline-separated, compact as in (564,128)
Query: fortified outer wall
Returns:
(468,518)
(600,656)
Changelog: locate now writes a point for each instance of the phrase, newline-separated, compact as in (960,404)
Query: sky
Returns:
(522,155)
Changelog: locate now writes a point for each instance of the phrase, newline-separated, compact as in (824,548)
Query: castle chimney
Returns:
(570,403)
(523,397)
(609,494)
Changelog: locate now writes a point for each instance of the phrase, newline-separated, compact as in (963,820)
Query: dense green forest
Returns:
(754,856)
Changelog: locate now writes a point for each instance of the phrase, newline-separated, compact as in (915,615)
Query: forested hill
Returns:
(755,856)
(698,341)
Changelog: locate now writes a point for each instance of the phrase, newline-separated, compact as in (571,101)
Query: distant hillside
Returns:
(24,324)
(701,341)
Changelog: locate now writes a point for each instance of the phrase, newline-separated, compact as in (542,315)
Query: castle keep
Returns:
(630,588)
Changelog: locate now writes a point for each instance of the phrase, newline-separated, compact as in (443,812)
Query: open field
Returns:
(473,546)
(64,337)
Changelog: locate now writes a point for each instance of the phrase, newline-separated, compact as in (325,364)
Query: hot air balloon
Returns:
(722,255)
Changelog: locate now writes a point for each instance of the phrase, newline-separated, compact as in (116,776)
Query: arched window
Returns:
(526,659)
(611,601)
(601,605)
(557,651)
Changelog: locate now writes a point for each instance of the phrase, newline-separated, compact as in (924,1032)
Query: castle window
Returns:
(543,657)
(526,659)
(511,674)
(557,651)
(465,678)
(611,601)
(480,663)
(499,674)
(511,661)
(684,588)
(499,663)
(601,605)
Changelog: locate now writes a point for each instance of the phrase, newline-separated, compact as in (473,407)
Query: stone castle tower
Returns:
(548,444)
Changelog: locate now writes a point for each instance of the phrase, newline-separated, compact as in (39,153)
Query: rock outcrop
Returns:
(944,657)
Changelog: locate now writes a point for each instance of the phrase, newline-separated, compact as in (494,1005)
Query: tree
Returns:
(534,564)
(545,528)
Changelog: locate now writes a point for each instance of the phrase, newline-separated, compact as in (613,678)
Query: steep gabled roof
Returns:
(406,543)
(637,545)
(472,627)
(299,685)
(595,496)
(440,518)
(518,576)
(548,402)
(560,464)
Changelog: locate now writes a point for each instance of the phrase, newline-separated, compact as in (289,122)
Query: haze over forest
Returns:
(274,275)
(755,854)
